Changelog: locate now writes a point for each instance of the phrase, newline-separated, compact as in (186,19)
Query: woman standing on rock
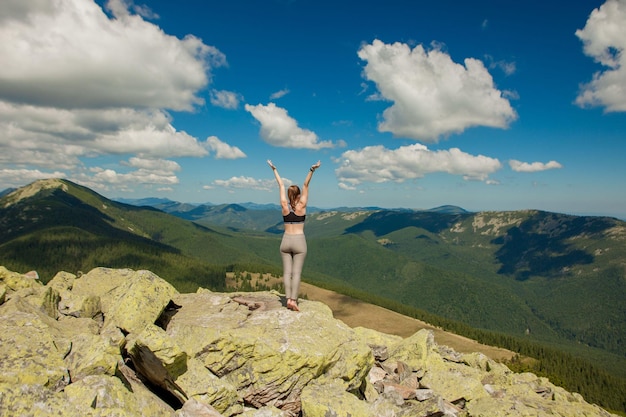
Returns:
(293,245)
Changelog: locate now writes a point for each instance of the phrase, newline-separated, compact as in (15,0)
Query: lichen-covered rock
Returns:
(526,394)
(71,303)
(62,281)
(49,302)
(268,411)
(32,400)
(94,354)
(102,282)
(103,395)
(79,306)
(330,399)
(162,346)
(138,302)
(376,338)
(416,349)
(268,352)
(15,281)
(195,408)
(199,384)
(32,348)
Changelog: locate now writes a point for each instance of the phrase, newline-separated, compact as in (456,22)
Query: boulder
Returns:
(268,353)
(331,399)
(33,348)
(94,354)
(204,388)
(138,301)
(104,395)
(15,281)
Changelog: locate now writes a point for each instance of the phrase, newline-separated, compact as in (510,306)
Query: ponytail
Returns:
(293,192)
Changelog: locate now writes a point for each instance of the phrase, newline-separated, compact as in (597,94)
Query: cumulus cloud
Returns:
(432,95)
(378,164)
(247,183)
(223,150)
(279,129)
(604,40)
(519,166)
(91,61)
(77,83)
(225,99)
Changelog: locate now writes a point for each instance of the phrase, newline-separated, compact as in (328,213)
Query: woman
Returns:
(293,246)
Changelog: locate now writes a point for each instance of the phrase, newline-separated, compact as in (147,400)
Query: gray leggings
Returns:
(293,251)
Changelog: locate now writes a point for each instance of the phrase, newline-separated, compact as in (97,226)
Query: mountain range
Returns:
(553,278)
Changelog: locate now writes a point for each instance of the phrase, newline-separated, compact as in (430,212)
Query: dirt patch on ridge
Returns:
(357,313)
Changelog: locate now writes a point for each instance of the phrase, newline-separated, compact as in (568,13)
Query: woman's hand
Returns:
(270,164)
(316,166)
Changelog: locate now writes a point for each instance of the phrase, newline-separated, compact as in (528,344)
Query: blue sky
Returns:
(487,105)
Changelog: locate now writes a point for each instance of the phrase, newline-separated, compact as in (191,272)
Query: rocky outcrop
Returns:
(126,343)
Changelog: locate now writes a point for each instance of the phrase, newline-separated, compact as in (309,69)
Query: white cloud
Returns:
(223,150)
(604,39)
(71,54)
(144,171)
(161,140)
(49,136)
(432,95)
(141,176)
(519,166)
(508,68)
(346,187)
(121,8)
(279,129)
(279,94)
(76,83)
(378,164)
(225,99)
(247,183)
(14,178)
(154,165)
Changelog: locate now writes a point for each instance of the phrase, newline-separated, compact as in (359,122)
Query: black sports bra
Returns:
(293,218)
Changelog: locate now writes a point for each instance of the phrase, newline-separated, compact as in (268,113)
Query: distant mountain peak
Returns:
(448,209)
(33,189)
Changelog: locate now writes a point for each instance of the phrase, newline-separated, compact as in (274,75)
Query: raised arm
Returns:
(305,187)
(284,203)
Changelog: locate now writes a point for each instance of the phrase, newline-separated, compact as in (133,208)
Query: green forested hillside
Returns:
(59,225)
